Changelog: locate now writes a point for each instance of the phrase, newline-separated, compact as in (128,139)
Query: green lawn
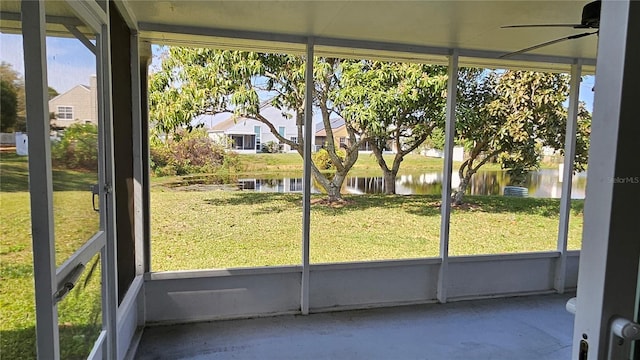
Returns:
(367,165)
(75,222)
(213,229)
(217,229)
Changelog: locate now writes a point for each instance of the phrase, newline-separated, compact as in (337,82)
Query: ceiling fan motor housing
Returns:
(590,16)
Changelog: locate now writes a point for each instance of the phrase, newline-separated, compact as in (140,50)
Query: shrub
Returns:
(77,148)
(231,161)
(323,161)
(189,153)
(271,147)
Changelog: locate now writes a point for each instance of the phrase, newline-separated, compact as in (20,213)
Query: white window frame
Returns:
(257,129)
(64,112)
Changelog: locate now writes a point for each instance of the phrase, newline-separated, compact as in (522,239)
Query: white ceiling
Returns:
(423,30)
(420,25)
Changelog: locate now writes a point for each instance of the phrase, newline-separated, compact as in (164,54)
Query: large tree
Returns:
(507,116)
(12,97)
(395,105)
(197,81)
(8,106)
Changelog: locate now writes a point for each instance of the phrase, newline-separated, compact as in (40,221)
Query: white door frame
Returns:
(49,279)
(609,259)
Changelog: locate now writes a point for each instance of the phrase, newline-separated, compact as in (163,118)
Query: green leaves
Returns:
(501,114)
(378,97)
(197,81)
(391,105)
(77,149)
(513,114)
(12,104)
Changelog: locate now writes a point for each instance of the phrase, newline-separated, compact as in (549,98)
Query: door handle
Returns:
(95,191)
(622,333)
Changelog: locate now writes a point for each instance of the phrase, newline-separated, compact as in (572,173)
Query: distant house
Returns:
(340,136)
(77,105)
(246,135)
(339,130)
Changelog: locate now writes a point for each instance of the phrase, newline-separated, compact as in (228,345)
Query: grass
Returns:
(265,164)
(213,229)
(263,229)
(14,176)
(75,222)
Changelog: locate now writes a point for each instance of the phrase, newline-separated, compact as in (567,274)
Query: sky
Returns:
(70,63)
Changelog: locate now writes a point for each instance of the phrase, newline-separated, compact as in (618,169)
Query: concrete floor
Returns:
(536,327)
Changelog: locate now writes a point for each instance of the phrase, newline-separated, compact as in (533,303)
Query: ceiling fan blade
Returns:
(571,37)
(541,25)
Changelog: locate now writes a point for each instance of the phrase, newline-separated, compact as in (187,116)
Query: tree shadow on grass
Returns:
(244,198)
(530,206)
(76,342)
(14,176)
(422,205)
(265,203)
(18,343)
(274,209)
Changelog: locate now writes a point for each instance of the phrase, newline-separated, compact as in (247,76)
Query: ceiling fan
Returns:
(590,20)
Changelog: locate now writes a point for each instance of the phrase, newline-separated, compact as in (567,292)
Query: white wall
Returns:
(205,295)
(173,297)
(458,153)
(8,138)
(244,126)
(433,153)
(480,276)
(356,285)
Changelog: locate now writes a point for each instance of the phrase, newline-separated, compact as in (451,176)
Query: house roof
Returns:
(209,120)
(335,124)
(84,87)
(273,114)
(225,124)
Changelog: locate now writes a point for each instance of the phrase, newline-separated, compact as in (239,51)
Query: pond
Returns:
(544,183)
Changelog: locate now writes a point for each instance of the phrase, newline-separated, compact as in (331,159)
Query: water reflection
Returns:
(544,183)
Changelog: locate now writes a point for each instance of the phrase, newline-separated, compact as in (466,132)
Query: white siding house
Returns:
(77,105)
(247,136)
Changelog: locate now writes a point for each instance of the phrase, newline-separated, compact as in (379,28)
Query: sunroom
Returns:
(134,295)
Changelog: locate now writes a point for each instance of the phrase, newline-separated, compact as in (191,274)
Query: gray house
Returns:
(245,135)
(77,105)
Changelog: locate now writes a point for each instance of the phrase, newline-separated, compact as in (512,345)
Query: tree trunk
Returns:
(390,182)
(458,196)
(332,187)
(333,190)
(389,175)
